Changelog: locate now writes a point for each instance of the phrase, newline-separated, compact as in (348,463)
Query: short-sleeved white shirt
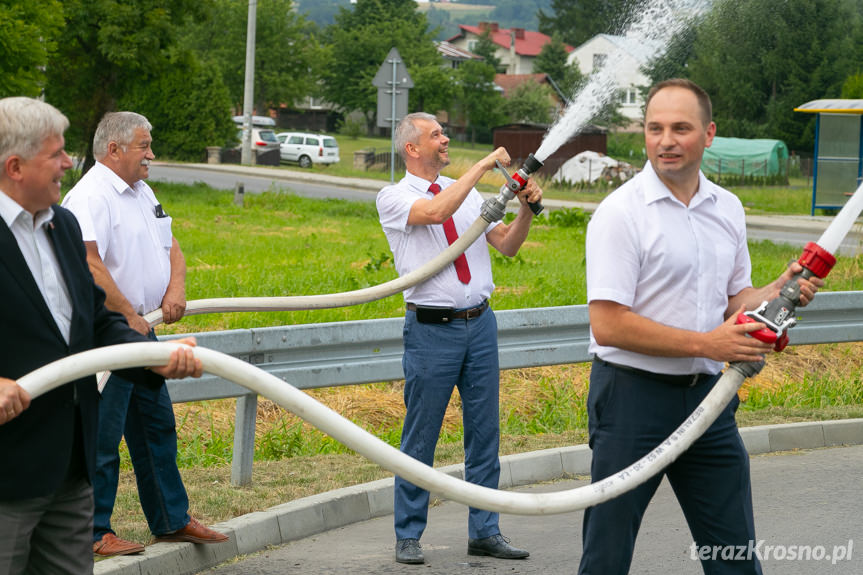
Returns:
(674,264)
(414,246)
(134,244)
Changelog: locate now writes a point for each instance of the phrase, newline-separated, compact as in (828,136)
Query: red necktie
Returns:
(461,268)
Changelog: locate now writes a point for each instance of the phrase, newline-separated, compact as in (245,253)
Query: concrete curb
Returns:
(317,513)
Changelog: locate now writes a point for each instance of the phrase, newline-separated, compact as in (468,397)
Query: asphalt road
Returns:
(808,507)
(255,184)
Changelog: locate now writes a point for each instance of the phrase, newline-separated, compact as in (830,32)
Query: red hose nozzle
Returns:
(817,260)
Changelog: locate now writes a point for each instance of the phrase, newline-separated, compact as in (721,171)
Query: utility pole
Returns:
(249,85)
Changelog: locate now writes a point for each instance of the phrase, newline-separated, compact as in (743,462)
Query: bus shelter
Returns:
(838,159)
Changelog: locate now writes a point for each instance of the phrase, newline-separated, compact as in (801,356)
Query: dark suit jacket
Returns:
(36,447)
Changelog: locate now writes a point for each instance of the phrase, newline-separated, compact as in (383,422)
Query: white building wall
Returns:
(627,74)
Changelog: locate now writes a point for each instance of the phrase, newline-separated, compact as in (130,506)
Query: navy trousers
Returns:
(629,415)
(438,358)
(146,418)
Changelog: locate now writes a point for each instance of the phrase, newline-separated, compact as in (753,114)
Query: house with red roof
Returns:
(517,48)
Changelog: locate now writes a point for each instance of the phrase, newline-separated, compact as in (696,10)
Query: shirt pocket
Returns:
(163,231)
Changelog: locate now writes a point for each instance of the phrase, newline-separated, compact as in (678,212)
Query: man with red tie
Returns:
(450,333)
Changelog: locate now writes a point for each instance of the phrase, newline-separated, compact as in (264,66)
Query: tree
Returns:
(480,102)
(287,53)
(435,89)
(552,60)
(360,41)
(28,34)
(106,48)
(188,106)
(760,59)
(852,88)
(529,102)
(487,49)
(580,20)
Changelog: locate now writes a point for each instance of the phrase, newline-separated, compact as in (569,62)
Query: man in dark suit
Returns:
(51,308)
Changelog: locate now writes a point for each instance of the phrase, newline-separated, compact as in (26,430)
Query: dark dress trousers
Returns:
(37,447)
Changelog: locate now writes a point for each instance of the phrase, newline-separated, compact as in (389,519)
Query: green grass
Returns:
(281,245)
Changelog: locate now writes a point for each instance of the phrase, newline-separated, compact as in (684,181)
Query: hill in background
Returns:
(446,15)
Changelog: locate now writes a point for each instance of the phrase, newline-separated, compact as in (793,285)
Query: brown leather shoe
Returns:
(110,545)
(194,532)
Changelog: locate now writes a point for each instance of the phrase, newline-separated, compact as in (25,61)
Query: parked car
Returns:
(307,149)
(263,137)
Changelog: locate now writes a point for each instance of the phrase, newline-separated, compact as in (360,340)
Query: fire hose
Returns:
(354,437)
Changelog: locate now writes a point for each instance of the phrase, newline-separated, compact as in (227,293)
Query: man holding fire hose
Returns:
(135,258)
(668,271)
(450,334)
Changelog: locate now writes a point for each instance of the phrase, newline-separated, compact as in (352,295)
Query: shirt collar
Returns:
(657,190)
(10,211)
(417,184)
(116,182)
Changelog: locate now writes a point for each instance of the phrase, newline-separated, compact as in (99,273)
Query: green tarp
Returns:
(741,157)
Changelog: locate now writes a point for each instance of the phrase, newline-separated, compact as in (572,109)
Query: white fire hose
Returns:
(356,438)
(344,299)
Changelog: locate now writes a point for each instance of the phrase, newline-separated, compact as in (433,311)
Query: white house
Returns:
(595,53)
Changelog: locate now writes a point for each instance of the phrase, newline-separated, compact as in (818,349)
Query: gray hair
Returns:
(117,127)
(407,131)
(24,125)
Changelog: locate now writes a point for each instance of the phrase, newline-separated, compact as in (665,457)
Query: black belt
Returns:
(432,314)
(686,380)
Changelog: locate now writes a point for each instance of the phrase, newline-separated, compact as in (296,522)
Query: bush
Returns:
(189,107)
(351,128)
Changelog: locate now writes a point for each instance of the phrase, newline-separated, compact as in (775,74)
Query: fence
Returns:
(354,352)
(375,160)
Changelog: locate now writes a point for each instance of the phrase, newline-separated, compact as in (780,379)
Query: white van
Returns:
(307,149)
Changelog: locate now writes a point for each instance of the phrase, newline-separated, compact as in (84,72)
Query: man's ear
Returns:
(12,167)
(113,148)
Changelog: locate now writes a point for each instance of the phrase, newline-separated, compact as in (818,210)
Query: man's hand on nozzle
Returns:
(730,342)
(500,155)
(13,400)
(808,287)
(182,362)
(530,193)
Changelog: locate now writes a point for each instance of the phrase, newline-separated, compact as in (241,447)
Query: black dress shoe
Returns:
(409,551)
(495,546)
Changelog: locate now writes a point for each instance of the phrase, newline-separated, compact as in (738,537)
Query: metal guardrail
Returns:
(353,352)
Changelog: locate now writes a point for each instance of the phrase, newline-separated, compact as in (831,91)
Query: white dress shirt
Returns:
(414,246)
(674,264)
(32,236)
(134,244)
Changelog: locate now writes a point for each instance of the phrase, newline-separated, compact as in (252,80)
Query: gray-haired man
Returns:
(135,258)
